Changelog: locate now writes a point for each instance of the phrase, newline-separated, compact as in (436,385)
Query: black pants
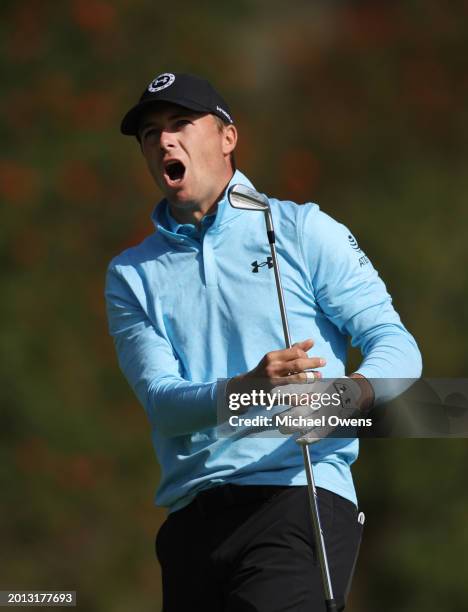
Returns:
(250,549)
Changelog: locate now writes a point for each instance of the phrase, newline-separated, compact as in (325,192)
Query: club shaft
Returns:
(279,289)
(312,491)
(318,533)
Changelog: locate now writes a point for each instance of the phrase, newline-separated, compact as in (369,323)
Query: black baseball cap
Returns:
(187,90)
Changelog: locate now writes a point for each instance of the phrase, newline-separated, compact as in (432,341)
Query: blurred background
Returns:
(359,106)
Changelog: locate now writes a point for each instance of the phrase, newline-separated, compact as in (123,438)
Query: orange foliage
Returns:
(51,100)
(25,38)
(18,183)
(93,15)
(28,247)
(143,180)
(78,472)
(372,25)
(300,52)
(71,471)
(33,455)
(95,303)
(78,182)
(55,95)
(426,84)
(299,172)
(136,234)
(246,152)
(93,109)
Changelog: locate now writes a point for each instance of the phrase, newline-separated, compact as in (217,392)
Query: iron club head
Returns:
(246,198)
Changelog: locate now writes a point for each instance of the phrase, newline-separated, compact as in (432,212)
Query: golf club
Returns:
(246,198)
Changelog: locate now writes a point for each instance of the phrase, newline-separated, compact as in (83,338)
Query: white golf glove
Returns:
(338,398)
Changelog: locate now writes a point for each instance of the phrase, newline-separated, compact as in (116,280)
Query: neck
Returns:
(192,215)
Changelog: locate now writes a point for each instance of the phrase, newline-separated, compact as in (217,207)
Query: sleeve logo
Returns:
(363,260)
(353,243)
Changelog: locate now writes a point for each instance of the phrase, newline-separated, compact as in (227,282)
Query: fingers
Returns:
(308,377)
(299,378)
(295,371)
(305,345)
(297,350)
(278,368)
(302,364)
(288,366)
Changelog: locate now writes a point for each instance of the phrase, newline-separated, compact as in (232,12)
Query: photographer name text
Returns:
(282,420)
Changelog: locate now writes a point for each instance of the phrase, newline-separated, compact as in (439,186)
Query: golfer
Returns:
(194,316)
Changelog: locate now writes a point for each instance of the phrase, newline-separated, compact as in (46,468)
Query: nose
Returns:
(166,140)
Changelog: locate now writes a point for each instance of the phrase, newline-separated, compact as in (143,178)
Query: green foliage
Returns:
(358,106)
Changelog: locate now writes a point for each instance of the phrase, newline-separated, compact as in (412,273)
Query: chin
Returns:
(180,199)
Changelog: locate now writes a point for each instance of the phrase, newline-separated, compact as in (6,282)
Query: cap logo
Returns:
(161,82)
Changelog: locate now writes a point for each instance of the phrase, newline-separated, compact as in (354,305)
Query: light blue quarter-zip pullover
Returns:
(189,309)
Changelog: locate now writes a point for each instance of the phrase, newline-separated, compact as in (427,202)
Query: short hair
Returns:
(221,125)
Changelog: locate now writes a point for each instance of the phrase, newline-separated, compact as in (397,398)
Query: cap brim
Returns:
(131,121)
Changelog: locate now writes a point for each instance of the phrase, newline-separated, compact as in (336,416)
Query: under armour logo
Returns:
(255,265)
(161,82)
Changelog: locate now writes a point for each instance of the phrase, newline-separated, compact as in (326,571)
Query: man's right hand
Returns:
(276,368)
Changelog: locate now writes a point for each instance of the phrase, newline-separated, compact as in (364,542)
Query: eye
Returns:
(150,136)
(181,122)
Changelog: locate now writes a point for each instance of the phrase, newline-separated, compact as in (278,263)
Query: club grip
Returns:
(331,605)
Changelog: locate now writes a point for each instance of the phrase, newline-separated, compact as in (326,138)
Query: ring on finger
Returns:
(310,376)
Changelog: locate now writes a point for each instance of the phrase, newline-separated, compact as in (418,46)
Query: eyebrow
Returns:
(175,115)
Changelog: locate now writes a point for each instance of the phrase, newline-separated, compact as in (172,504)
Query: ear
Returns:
(229,139)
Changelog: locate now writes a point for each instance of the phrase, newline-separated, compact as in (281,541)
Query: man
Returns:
(193,313)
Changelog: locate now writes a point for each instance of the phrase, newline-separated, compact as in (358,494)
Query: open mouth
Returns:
(175,170)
